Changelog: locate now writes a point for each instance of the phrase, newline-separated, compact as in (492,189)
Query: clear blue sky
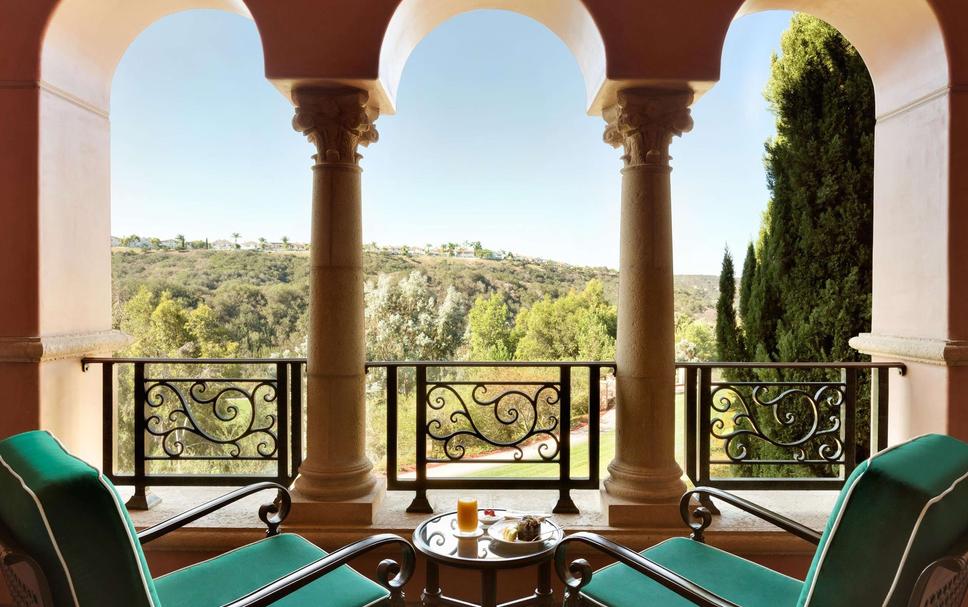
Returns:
(490,142)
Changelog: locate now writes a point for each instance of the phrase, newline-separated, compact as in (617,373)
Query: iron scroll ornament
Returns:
(224,409)
(506,408)
(795,409)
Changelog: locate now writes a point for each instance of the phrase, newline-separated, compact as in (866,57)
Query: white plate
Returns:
(490,520)
(496,533)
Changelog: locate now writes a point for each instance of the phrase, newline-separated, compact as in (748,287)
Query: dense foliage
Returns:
(729,343)
(255,304)
(809,284)
(806,284)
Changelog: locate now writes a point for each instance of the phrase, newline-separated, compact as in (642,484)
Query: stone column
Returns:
(643,122)
(337,121)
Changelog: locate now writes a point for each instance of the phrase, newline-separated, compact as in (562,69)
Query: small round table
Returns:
(435,539)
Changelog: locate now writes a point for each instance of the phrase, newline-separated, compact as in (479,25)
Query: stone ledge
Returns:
(734,530)
(947,352)
(46,348)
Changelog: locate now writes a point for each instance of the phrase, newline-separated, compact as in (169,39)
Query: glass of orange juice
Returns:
(467,514)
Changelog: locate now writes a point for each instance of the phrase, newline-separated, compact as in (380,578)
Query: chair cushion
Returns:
(899,510)
(232,575)
(69,518)
(731,577)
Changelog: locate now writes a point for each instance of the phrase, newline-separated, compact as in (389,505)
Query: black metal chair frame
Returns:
(29,587)
(943,583)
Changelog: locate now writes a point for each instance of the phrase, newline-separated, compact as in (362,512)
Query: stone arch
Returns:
(82,45)
(85,41)
(918,312)
(568,19)
(900,41)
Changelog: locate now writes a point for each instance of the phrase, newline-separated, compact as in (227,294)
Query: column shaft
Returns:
(644,468)
(336,466)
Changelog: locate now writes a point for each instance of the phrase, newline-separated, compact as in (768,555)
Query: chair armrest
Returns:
(271,514)
(578,574)
(705,518)
(390,574)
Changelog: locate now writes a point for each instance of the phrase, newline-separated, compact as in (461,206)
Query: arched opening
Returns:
(491,133)
(82,46)
(904,50)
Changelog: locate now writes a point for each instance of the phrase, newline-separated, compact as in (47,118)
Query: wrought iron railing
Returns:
(783,425)
(448,424)
(200,422)
(522,412)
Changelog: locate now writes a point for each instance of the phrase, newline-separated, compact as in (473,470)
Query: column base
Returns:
(326,485)
(659,514)
(310,512)
(636,497)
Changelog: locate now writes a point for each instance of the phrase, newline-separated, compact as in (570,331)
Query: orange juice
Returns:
(467,514)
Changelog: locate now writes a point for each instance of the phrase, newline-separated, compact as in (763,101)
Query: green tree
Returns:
(695,340)
(490,327)
(810,287)
(285,242)
(235,239)
(746,282)
(729,342)
(579,326)
(404,320)
(181,242)
(814,255)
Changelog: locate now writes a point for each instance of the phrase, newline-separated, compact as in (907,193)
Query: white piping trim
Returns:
(117,505)
(914,532)
(840,515)
(127,532)
(50,533)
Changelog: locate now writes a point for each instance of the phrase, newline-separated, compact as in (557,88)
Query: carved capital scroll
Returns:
(644,121)
(336,121)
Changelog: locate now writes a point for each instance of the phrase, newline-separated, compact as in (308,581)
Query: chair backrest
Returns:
(70,520)
(899,511)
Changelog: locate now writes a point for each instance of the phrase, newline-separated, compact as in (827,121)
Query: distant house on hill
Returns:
(222,245)
(250,245)
(115,241)
(170,243)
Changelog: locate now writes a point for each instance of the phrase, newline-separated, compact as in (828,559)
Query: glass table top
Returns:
(438,537)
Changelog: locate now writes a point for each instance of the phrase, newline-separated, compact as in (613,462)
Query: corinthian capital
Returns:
(644,121)
(337,121)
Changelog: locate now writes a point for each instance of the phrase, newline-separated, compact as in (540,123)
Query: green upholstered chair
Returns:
(898,536)
(67,540)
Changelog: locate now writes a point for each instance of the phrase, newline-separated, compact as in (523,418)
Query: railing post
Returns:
(705,403)
(295,404)
(849,378)
(143,498)
(392,394)
(283,433)
(565,504)
(704,399)
(692,412)
(107,419)
(879,408)
(420,503)
(594,422)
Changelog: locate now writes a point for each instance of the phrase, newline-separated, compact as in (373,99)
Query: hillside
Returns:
(196,275)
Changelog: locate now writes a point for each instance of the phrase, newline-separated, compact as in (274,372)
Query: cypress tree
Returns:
(746,284)
(728,341)
(809,289)
(815,255)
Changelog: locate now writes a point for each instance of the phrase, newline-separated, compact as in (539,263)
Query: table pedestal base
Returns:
(543,594)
